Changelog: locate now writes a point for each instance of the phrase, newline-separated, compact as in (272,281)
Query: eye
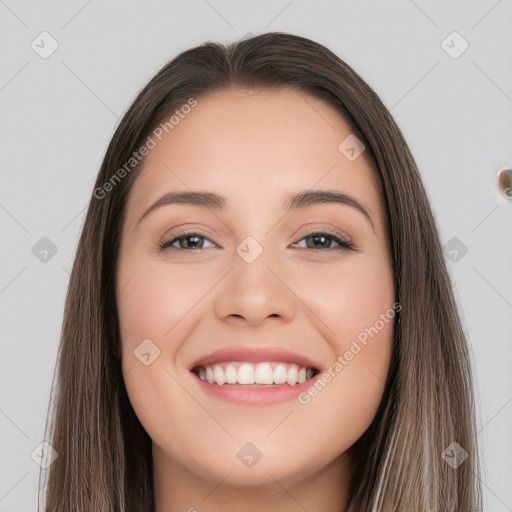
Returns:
(195,241)
(186,241)
(323,240)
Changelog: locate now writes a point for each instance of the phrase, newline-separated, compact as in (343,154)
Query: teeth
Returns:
(245,374)
(264,374)
(280,374)
(218,375)
(249,373)
(291,375)
(231,375)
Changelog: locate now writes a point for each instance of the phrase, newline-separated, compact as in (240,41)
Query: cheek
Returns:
(156,303)
(158,306)
(153,299)
(355,306)
(350,298)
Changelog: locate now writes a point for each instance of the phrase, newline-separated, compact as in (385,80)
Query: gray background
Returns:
(58,114)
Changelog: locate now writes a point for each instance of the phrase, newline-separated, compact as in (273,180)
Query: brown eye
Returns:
(322,240)
(187,241)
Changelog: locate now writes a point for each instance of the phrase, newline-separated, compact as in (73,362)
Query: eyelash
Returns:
(343,243)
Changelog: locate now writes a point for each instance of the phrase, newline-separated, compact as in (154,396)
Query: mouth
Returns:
(249,374)
(254,375)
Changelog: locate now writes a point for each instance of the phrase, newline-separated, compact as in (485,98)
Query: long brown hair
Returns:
(104,461)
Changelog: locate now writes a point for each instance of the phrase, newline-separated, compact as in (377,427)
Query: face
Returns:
(255,285)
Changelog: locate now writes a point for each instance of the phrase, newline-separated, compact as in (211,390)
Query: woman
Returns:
(259,315)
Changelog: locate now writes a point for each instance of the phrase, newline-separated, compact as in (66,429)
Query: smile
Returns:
(254,375)
(247,374)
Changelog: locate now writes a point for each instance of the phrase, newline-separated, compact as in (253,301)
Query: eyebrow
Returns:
(292,202)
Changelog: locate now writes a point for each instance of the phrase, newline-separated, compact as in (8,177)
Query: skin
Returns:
(254,148)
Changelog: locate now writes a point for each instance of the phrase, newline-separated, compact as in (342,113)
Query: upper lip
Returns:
(255,355)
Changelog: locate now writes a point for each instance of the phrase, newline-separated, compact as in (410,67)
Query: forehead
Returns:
(255,144)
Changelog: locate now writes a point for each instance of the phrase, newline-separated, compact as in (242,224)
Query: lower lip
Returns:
(257,394)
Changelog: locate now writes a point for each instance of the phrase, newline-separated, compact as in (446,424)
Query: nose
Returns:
(253,292)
